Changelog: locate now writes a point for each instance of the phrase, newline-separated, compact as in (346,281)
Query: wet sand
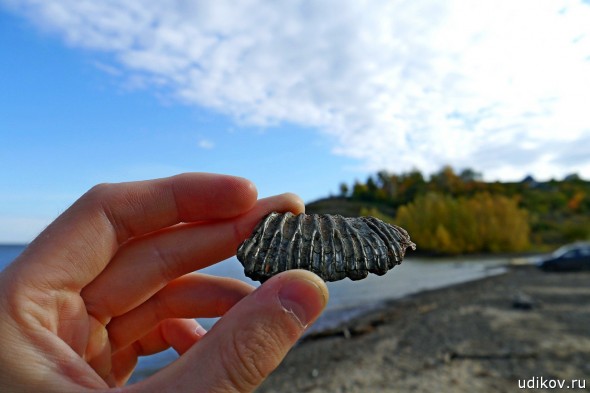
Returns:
(480,336)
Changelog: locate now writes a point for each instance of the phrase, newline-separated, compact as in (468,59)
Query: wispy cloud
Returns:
(107,68)
(206,144)
(396,84)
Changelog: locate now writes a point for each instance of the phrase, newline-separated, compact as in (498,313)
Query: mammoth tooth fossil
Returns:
(332,246)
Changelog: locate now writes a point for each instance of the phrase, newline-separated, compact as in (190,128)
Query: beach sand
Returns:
(480,336)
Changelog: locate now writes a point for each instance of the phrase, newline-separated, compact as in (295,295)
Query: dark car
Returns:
(572,257)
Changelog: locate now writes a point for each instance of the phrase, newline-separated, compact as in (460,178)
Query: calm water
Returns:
(347,298)
(8,252)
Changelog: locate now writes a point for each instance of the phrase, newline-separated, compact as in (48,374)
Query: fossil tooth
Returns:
(332,246)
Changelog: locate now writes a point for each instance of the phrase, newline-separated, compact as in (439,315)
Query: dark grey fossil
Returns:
(332,246)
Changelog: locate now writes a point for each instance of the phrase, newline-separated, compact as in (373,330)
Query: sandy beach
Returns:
(523,328)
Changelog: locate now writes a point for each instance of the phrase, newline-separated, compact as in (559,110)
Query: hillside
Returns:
(457,213)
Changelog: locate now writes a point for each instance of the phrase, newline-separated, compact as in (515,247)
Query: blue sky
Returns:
(292,95)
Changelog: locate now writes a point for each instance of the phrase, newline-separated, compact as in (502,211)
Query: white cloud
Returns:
(206,144)
(107,68)
(494,85)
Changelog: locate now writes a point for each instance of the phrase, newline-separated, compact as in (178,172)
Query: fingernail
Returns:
(303,298)
(200,331)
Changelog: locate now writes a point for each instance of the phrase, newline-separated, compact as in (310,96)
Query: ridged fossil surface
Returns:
(332,246)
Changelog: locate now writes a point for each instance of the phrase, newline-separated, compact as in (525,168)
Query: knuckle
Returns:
(162,309)
(98,198)
(169,265)
(250,356)
(106,199)
(99,192)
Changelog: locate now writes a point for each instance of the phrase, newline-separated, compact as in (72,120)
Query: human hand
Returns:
(109,281)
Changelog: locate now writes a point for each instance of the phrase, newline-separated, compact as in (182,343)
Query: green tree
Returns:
(344,190)
(447,181)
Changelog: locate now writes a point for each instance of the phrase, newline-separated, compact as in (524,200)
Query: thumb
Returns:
(251,339)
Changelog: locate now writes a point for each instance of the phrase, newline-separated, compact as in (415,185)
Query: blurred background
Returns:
(465,122)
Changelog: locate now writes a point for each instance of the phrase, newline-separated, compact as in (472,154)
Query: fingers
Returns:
(154,260)
(81,242)
(180,334)
(190,296)
(250,340)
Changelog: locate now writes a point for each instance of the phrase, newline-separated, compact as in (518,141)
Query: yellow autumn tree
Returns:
(482,223)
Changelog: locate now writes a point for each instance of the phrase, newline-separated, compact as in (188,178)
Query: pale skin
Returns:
(110,280)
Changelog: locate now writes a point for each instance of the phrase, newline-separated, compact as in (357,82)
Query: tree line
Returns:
(455,213)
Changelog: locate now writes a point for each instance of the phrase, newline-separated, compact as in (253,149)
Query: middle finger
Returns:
(191,296)
(145,265)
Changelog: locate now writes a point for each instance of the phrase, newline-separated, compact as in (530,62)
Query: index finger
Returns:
(81,242)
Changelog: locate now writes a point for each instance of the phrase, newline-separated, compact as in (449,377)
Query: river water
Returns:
(347,298)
